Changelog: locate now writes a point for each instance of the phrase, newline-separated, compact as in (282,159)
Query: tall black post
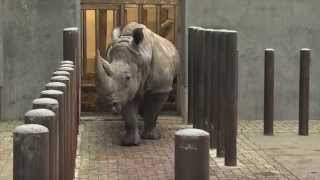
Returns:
(268,91)
(231,99)
(196,75)
(305,58)
(70,43)
(205,70)
(221,91)
(214,93)
(191,47)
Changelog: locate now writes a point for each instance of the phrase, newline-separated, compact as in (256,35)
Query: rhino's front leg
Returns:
(129,114)
(152,107)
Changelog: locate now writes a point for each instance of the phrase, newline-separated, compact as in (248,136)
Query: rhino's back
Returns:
(163,61)
(164,65)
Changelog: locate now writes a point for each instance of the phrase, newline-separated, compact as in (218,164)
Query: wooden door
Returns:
(98,20)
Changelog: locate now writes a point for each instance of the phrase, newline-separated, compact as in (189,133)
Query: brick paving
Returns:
(100,157)
(6,128)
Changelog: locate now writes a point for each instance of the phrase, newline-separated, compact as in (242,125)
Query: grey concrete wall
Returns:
(32,49)
(1,47)
(286,26)
(1,56)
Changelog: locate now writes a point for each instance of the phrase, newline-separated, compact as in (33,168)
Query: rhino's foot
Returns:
(151,134)
(131,139)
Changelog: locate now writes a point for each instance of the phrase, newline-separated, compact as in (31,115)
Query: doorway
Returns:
(98,21)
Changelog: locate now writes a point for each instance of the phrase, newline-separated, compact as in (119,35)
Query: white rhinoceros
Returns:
(139,66)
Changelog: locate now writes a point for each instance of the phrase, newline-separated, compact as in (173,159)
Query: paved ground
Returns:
(6,148)
(100,157)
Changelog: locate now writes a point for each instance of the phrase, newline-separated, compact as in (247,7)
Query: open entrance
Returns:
(98,21)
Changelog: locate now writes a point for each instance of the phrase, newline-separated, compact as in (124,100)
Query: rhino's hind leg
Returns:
(129,114)
(152,107)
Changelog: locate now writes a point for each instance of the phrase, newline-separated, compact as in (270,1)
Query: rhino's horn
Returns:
(116,33)
(105,64)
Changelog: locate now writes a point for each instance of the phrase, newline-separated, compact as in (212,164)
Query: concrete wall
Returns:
(32,49)
(286,26)
(1,56)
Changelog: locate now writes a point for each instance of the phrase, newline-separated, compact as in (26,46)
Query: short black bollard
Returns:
(67,123)
(46,118)
(66,62)
(305,59)
(53,105)
(73,105)
(61,73)
(67,65)
(58,95)
(192,154)
(268,91)
(30,152)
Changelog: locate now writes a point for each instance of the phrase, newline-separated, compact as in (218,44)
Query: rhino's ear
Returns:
(116,33)
(138,36)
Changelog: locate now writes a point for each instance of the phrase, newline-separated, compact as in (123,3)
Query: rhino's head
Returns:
(120,73)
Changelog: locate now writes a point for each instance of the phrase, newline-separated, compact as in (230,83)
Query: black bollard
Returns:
(221,91)
(214,95)
(201,92)
(71,52)
(61,73)
(192,154)
(61,84)
(46,118)
(53,105)
(66,62)
(196,73)
(68,121)
(268,91)
(73,109)
(67,65)
(70,43)
(206,76)
(305,59)
(231,99)
(191,47)
(58,95)
(30,152)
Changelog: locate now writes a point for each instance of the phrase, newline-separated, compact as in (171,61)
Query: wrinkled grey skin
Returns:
(139,69)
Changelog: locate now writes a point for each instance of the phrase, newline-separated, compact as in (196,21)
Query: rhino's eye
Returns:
(128,77)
